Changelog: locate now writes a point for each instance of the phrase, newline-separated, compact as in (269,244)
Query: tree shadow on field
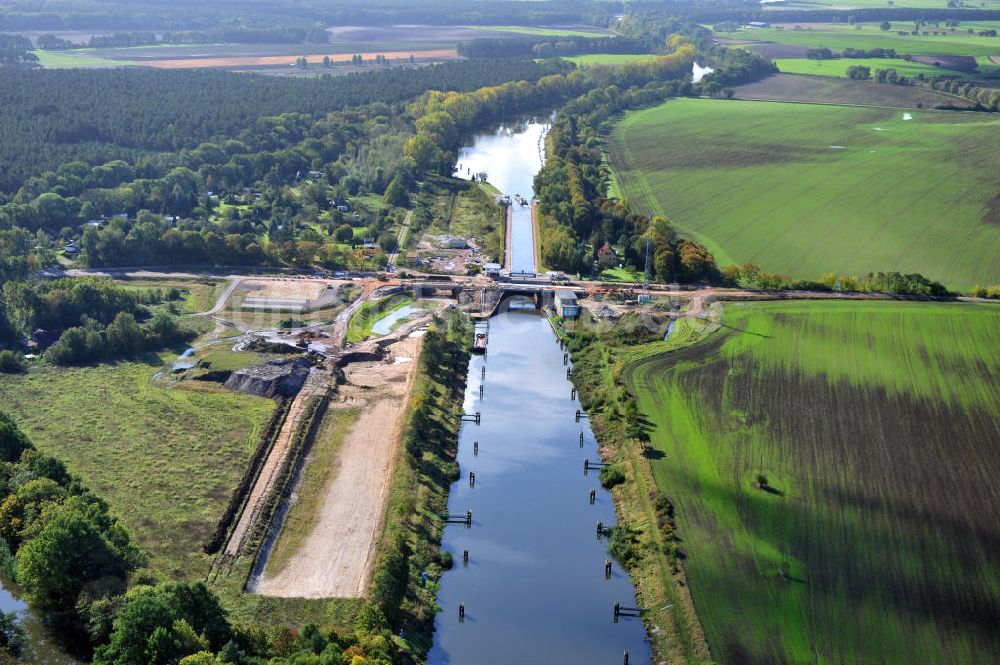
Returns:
(745,331)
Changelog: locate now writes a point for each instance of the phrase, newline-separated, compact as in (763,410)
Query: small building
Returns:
(71,249)
(566,304)
(758,24)
(456,243)
(492,270)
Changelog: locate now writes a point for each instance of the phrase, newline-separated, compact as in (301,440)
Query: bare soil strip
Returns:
(316,384)
(336,559)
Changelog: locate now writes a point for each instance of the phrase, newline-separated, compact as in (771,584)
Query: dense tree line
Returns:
(986,98)
(895,283)
(97,320)
(572,185)
(546,47)
(53,117)
(15,51)
(443,119)
(127,15)
(732,66)
(69,555)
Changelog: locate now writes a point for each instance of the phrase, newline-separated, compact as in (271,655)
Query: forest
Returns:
(280,15)
(57,116)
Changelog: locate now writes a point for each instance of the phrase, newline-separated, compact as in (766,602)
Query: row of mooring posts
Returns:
(602,530)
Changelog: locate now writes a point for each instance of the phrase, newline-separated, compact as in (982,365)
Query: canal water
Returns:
(534,587)
(510,156)
(41,649)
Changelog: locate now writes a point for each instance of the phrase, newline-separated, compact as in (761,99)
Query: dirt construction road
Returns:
(336,559)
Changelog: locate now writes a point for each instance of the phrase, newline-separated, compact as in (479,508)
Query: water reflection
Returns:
(41,648)
(510,157)
(534,587)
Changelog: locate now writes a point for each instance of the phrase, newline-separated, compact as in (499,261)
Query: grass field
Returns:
(607,58)
(870,36)
(74,59)
(805,189)
(839,66)
(166,459)
(875,424)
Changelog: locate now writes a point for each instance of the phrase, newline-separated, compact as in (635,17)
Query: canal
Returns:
(41,648)
(510,157)
(534,587)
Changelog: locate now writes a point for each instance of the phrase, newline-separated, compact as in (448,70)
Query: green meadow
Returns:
(833,466)
(607,58)
(806,189)
(838,67)
(74,59)
(870,36)
(166,458)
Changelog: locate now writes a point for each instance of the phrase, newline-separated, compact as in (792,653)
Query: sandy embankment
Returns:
(336,559)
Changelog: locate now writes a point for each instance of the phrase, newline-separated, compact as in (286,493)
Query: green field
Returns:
(870,36)
(838,67)
(806,189)
(876,538)
(166,459)
(607,58)
(70,60)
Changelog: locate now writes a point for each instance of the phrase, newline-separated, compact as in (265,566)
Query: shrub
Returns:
(611,476)
(12,362)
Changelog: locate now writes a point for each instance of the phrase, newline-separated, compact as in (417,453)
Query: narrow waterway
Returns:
(534,587)
(510,157)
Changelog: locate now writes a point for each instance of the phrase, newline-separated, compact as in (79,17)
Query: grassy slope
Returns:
(870,36)
(166,459)
(759,182)
(878,422)
(839,66)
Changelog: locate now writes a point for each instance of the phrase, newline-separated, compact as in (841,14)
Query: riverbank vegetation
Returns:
(647,539)
(812,453)
(418,497)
